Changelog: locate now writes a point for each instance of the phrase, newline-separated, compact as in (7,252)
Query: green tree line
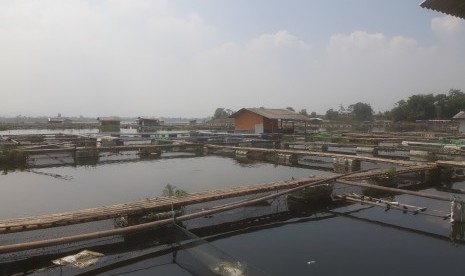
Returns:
(415,107)
(429,107)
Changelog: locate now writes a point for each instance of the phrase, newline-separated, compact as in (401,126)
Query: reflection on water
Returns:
(32,193)
(204,259)
(303,241)
(457,232)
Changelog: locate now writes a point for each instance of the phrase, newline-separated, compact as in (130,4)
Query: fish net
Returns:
(199,257)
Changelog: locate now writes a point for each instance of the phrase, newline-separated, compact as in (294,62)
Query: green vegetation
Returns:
(171,190)
(3,126)
(391,172)
(109,128)
(416,107)
(355,112)
(288,139)
(222,113)
(326,137)
(429,107)
(453,141)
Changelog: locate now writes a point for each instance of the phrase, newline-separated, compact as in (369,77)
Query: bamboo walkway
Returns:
(165,203)
(451,164)
(141,206)
(385,173)
(317,153)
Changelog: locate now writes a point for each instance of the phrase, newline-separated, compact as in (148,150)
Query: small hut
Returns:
(112,121)
(265,120)
(148,121)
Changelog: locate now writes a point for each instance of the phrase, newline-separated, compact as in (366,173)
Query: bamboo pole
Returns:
(141,227)
(113,211)
(394,190)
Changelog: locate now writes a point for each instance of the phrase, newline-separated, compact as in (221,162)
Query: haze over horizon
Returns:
(186,58)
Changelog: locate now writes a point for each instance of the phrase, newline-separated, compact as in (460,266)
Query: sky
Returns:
(185,58)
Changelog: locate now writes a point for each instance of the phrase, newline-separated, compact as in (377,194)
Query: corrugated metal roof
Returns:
(111,118)
(460,115)
(451,7)
(280,114)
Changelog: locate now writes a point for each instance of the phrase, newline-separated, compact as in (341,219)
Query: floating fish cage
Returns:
(312,195)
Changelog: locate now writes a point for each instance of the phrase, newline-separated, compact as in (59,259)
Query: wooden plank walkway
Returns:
(113,148)
(319,154)
(451,164)
(404,170)
(141,206)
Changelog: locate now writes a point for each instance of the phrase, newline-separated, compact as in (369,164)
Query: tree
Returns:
(400,111)
(332,115)
(221,113)
(303,112)
(417,107)
(361,111)
(313,114)
(448,106)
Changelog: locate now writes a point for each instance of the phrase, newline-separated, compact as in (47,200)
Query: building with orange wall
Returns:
(265,120)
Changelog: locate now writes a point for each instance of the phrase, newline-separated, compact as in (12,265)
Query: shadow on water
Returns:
(132,248)
(456,235)
(186,250)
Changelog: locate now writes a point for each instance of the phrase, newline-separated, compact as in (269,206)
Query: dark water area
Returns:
(350,239)
(58,189)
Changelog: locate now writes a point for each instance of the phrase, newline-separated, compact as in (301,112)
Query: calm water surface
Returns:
(38,192)
(345,240)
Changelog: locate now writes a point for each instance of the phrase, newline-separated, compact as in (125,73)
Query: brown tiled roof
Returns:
(280,114)
(451,7)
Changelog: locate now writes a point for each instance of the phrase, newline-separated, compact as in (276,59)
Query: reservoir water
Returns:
(350,239)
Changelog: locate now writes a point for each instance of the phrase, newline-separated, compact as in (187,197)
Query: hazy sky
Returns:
(186,58)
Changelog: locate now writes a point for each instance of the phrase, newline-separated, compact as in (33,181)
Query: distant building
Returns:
(109,121)
(59,121)
(265,120)
(55,121)
(460,117)
(148,121)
